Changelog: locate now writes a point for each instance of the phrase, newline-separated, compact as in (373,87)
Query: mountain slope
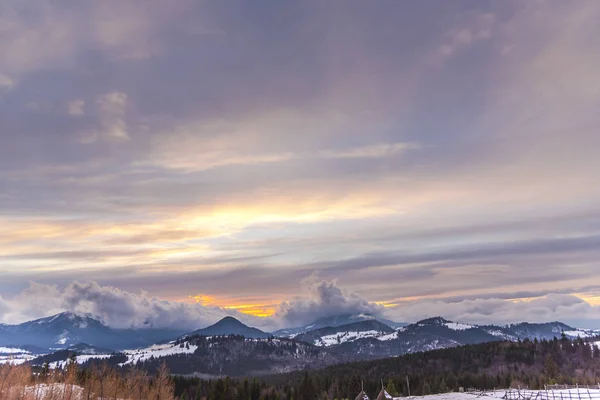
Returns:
(212,356)
(231,326)
(67,329)
(221,349)
(333,321)
(330,336)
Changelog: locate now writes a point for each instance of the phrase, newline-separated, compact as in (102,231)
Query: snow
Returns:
(52,320)
(134,356)
(80,360)
(455,326)
(389,336)
(499,394)
(579,333)
(16,360)
(494,332)
(342,337)
(15,356)
(55,390)
(157,350)
(12,350)
(330,340)
(460,396)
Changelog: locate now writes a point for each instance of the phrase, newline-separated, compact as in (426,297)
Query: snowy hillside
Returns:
(158,351)
(15,355)
(331,336)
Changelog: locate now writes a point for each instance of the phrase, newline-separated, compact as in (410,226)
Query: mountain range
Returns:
(233,348)
(67,329)
(333,321)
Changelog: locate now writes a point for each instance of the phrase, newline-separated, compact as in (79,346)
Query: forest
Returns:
(525,364)
(491,365)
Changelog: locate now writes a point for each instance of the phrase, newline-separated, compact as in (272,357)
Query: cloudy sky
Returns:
(298,159)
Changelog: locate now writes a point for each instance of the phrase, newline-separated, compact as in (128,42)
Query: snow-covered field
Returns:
(15,355)
(350,336)
(44,391)
(12,350)
(455,326)
(498,394)
(337,338)
(80,360)
(581,333)
(157,350)
(575,394)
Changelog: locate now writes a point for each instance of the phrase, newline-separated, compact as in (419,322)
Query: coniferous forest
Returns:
(531,364)
(494,365)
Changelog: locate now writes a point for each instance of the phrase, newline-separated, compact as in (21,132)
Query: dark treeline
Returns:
(485,366)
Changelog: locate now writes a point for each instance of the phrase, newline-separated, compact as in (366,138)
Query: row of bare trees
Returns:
(100,382)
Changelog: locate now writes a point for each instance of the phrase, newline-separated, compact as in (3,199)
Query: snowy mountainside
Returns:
(15,355)
(548,331)
(67,329)
(333,321)
(330,336)
(219,355)
(237,355)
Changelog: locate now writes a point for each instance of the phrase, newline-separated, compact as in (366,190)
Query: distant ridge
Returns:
(67,329)
(334,321)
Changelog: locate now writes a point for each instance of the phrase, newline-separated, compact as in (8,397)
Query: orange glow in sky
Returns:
(255,309)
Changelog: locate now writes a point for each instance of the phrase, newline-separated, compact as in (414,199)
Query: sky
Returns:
(175,162)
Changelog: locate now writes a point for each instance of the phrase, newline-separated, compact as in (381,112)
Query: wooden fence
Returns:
(569,393)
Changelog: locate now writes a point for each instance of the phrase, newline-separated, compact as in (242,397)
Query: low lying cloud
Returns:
(117,308)
(551,307)
(122,309)
(324,299)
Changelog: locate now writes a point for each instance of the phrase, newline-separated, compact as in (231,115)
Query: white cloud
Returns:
(112,112)
(46,35)
(372,151)
(117,308)
(474,27)
(5,82)
(75,107)
(324,299)
(552,307)
(111,109)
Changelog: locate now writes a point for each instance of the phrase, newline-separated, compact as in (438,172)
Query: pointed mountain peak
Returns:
(231,326)
(70,317)
(230,319)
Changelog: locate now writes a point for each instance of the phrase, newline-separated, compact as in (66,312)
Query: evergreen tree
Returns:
(391,388)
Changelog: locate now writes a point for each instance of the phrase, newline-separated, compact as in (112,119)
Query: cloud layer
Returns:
(225,151)
(115,307)
(122,309)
